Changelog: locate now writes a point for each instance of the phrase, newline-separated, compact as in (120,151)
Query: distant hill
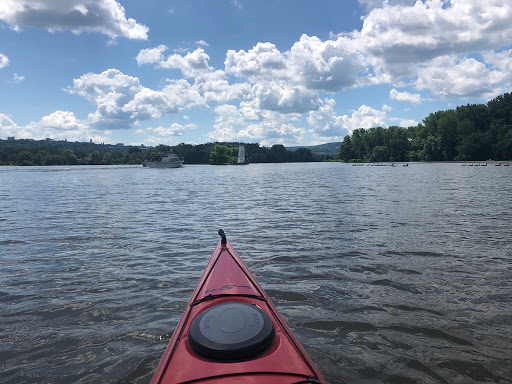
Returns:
(83,147)
(323,149)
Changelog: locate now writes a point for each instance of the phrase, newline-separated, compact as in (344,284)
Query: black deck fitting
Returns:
(223,235)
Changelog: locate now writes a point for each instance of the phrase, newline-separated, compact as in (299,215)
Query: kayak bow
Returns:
(231,332)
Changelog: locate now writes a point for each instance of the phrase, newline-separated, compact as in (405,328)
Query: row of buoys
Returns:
(485,165)
(379,165)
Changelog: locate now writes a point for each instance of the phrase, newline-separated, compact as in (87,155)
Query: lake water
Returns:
(385,274)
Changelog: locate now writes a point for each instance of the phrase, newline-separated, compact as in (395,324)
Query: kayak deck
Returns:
(227,279)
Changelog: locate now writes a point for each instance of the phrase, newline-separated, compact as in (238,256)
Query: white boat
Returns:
(164,160)
(241,156)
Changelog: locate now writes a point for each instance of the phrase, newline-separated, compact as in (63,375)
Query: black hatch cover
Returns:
(231,331)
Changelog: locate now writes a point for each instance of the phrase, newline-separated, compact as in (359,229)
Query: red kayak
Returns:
(232,333)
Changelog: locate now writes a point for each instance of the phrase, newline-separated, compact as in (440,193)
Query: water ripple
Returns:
(385,274)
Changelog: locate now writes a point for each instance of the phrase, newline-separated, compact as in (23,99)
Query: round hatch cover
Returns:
(231,331)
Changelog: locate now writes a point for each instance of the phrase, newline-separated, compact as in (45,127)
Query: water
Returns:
(385,274)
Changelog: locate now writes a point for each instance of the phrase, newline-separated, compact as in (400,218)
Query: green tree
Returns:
(358,145)
(25,158)
(447,133)
(220,154)
(68,157)
(380,153)
(441,125)
(277,154)
(478,114)
(431,149)
(162,148)
(397,144)
(500,109)
(95,158)
(474,147)
(372,138)
(503,147)
(304,155)
(346,153)
(107,159)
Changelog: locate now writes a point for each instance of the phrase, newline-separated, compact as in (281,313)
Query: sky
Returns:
(292,72)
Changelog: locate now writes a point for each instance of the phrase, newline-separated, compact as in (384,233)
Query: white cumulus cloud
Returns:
(405,96)
(371,4)
(212,84)
(451,77)
(331,65)
(285,99)
(58,125)
(8,127)
(398,38)
(501,70)
(290,82)
(267,128)
(262,61)
(189,64)
(62,121)
(4,61)
(151,55)
(325,123)
(448,48)
(311,63)
(99,16)
(215,87)
(174,130)
(121,100)
(328,126)
(365,117)
(17,78)
(408,123)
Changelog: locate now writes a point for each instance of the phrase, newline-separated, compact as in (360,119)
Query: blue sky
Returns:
(291,72)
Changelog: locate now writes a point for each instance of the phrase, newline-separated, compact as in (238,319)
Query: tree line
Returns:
(47,155)
(227,153)
(469,132)
(30,152)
